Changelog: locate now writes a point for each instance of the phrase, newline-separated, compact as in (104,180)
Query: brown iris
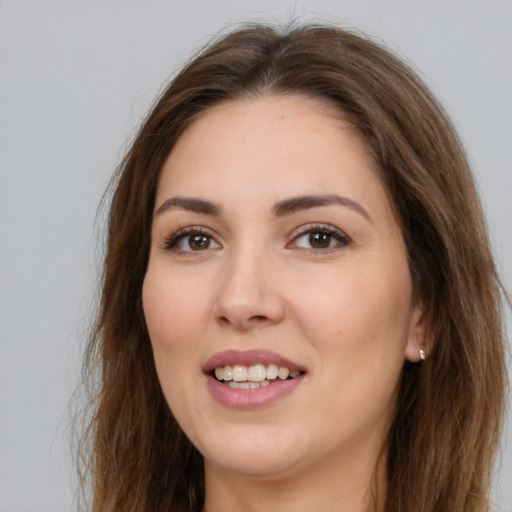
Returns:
(319,240)
(199,242)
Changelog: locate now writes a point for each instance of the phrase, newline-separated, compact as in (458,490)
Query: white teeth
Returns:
(272,371)
(255,374)
(234,385)
(238,385)
(283,373)
(247,385)
(227,373)
(239,373)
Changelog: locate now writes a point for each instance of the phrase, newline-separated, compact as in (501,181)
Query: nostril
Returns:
(258,318)
(252,321)
(223,320)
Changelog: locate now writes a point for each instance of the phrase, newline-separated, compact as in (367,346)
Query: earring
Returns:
(422,354)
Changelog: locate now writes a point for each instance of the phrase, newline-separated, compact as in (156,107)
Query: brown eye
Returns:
(191,240)
(319,240)
(199,242)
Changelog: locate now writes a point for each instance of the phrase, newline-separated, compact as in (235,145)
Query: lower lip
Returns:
(252,398)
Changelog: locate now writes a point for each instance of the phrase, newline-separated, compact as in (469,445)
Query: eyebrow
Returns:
(192,204)
(295,204)
(280,209)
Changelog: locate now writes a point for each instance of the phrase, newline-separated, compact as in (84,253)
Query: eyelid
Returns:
(340,235)
(170,241)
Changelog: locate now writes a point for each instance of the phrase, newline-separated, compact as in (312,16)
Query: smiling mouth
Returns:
(255,376)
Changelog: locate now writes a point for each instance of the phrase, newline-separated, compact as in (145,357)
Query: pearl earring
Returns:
(422,354)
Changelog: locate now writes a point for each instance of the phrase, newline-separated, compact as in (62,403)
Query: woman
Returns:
(300,308)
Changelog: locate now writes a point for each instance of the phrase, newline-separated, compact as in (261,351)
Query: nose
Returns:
(249,294)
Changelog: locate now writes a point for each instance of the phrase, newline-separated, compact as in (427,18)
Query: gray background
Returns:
(75,78)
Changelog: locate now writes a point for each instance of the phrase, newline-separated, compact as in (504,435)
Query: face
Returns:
(278,294)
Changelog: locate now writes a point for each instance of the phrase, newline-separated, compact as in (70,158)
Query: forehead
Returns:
(284,139)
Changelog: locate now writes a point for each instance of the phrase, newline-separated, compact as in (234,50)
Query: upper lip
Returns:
(249,358)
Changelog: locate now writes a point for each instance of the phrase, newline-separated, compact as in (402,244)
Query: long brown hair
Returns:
(450,408)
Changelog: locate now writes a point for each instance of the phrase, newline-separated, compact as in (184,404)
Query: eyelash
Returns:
(173,240)
(343,240)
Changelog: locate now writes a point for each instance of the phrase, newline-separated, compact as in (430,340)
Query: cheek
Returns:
(173,314)
(169,304)
(361,318)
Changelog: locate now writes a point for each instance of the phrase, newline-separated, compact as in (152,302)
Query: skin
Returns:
(345,313)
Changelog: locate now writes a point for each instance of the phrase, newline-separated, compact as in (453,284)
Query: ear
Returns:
(418,343)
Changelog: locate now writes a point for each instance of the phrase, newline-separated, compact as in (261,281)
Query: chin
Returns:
(261,467)
(256,455)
